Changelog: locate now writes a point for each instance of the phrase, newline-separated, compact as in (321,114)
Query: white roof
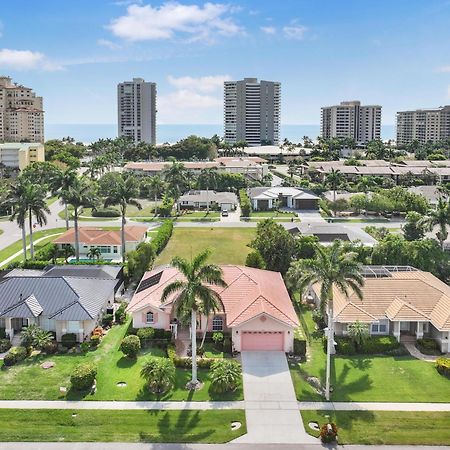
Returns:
(276,191)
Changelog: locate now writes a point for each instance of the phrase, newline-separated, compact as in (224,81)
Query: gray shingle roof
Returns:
(210,196)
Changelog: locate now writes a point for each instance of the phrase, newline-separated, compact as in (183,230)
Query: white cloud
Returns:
(26,60)
(202,84)
(142,23)
(268,30)
(109,44)
(443,69)
(294,31)
(195,100)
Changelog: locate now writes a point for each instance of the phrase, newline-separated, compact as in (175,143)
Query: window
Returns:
(149,317)
(379,328)
(115,250)
(217,323)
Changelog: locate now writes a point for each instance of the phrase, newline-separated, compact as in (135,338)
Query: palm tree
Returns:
(209,179)
(195,294)
(62,183)
(19,211)
(440,217)
(79,195)
(358,332)
(94,253)
(123,195)
(156,188)
(332,267)
(175,176)
(334,180)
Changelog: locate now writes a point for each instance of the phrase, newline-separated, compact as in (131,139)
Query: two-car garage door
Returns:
(262,340)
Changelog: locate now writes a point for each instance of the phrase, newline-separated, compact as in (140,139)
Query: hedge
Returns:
(162,236)
(15,355)
(246,206)
(372,346)
(83,376)
(443,366)
(186,363)
(299,347)
(105,212)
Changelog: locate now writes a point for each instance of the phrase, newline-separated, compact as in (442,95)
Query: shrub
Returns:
(107,320)
(428,346)
(379,344)
(317,316)
(83,376)
(166,207)
(15,355)
(48,252)
(159,373)
(145,334)
(98,331)
(2,333)
(95,340)
(443,366)
(36,337)
(345,346)
(121,315)
(162,236)
(254,259)
(227,345)
(162,334)
(105,212)
(299,347)
(246,206)
(5,345)
(225,375)
(328,433)
(50,348)
(69,340)
(85,346)
(358,332)
(130,346)
(217,338)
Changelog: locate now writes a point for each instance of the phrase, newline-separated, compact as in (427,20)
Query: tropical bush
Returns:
(328,433)
(254,259)
(130,346)
(225,375)
(443,366)
(121,315)
(69,340)
(14,356)
(159,374)
(105,212)
(5,345)
(95,340)
(145,334)
(162,236)
(372,346)
(428,346)
(358,332)
(217,338)
(107,320)
(299,347)
(83,376)
(50,347)
(36,337)
(166,207)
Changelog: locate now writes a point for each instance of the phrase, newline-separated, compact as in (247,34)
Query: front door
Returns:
(405,326)
(18,323)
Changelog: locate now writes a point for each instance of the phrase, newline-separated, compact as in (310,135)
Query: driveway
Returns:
(271,407)
(312,215)
(233,216)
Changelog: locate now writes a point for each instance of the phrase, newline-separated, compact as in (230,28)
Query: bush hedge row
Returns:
(186,363)
(372,346)
(162,236)
(105,212)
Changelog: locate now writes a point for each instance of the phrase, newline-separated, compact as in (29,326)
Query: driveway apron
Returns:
(271,407)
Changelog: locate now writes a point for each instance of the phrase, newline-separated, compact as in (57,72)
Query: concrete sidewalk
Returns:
(373,406)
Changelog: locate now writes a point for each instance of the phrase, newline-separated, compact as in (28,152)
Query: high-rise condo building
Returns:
(423,125)
(351,120)
(136,108)
(252,111)
(21,113)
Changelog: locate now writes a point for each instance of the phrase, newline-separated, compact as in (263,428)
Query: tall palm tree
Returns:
(79,195)
(332,267)
(123,195)
(440,217)
(334,180)
(156,188)
(176,178)
(195,294)
(28,200)
(61,184)
(208,177)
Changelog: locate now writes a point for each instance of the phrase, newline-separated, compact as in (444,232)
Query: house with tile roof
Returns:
(109,242)
(61,304)
(397,300)
(255,309)
(267,198)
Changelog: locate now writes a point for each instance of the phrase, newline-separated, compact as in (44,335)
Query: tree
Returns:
(156,189)
(254,259)
(440,218)
(79,195)
(413,229)
(159,374)
(140,260)
(94,253)
(63,181)
(376,150)
(123,195)
(176,179)
(194,294)
(19,211)
(208,177)
(225,375)
(358,332)
(274,244)
(333,268)
(334,179)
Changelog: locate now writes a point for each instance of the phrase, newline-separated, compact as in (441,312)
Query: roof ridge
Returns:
(411,306)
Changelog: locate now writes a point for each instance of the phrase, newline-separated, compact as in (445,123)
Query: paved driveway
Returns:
(271,407)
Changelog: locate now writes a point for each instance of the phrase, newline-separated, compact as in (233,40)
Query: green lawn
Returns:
(273,214)
(229,245)
(17,246)
(51,200)
(385,427)
(28,381)
(369,378)
(199,216)
(350,220)
(119,426)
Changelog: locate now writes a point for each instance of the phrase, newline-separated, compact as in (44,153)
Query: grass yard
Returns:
(119,426)
(368,378)
(229,245)
(17,246)
(273,214)
(51,200)
(350,220)
(385,427)
(28,381)
(199,216)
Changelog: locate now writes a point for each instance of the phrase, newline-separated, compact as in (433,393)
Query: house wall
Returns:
(115,251)
(161,319)
(268,324)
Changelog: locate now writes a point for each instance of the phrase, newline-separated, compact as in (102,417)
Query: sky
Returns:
(395,53)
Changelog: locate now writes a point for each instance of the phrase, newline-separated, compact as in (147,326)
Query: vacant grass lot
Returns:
(229,245)
(385,427)
(28,381)
(368,378)
(119,426)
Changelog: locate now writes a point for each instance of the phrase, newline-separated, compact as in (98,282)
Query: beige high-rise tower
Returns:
(21,113)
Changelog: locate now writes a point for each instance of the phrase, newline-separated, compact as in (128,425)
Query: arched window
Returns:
(149,317)
(217,323)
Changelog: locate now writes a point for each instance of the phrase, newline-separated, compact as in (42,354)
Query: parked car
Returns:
(224,213)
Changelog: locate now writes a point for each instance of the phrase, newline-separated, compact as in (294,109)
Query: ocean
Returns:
(172,133)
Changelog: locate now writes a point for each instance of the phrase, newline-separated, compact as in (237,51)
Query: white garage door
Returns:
(262,340)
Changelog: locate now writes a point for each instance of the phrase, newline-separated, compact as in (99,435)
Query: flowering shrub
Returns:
(328,433)
(443,366)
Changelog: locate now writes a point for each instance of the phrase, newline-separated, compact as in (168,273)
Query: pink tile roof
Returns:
(249,293)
